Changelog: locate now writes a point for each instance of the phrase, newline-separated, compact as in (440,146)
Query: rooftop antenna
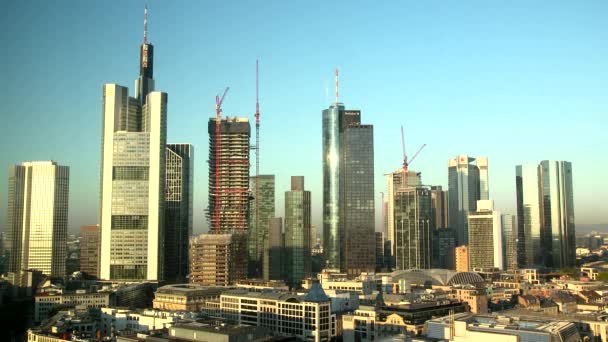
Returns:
(336,85)
(146,24)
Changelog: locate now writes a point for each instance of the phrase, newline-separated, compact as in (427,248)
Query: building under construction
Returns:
(218,259)
(229,175)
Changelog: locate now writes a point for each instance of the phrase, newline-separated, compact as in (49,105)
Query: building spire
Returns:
(337,85)
(146,24)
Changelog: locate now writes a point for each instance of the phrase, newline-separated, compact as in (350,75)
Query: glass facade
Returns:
(468,183)
(358,253)
(261,210)
(529,251)
(178,209)
(37,217)
(509,242)
(332,189)
(413,236)
(297,236)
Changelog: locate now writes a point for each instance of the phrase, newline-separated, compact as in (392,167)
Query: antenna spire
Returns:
(337,85)
(146,24)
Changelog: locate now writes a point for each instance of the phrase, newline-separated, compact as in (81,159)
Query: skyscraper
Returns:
(259,218)
(37,217)
(439,207)
(348,191)
(461,256)
(395,183)
(359,208)
(133,177)
(509,242)
(297,232)
(273,254)
(178,209)
(90,237)
(413,235)
(485,236)
(229,189)
(468,183)
(545,214)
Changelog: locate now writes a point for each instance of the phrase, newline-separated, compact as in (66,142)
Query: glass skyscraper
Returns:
(297,233)
(413,235)
(468,183)
(395,183)
(509,242)
(545,213)
(133,178)
(178,209)
(37,220)
(259,218)
(348,191)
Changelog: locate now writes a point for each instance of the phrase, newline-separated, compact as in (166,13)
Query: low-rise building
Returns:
(262,285)
(116,321)
(470,327)
(67,325)
(45,302)
(308,317)
(186,297)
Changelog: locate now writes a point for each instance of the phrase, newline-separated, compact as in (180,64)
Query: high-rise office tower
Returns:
(485,236)
(37,217)
(259,218)
(468,183)
(379,251)
(545,214)
(413,235)
(297,232)
(90,241)
(229,198)
(439,207)
(461,256)
(509,242)
(179,171)
(134,137)
(273,255)
(444,242)
(348,191)
(218,259)
(395,183)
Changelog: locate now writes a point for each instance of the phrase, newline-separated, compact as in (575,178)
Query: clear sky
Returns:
(516,81)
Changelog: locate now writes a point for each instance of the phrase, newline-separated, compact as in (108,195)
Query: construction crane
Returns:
(405,161)
(218,123)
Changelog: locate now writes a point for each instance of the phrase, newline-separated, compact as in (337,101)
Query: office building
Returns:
(379,238)
(297,233)
(509,242)
(468,183)
(185,297)
(134,136)
(90,243)
(37,217)
(218,259)
(439,207)
(395,183)
(485,237)
(178,209)
(273,254)
(45,302)
(470,327)
(461,258)
(413,235)
(545,214)
(261,211)
(348,191)
(229,187)
(307,317)
(444,242)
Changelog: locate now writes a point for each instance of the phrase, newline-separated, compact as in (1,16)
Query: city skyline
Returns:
(359,87)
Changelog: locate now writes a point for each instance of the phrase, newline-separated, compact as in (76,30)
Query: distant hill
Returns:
(588,228)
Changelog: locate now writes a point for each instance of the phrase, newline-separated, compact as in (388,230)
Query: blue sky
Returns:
(517,81)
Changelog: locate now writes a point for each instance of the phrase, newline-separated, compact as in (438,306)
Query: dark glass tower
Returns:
(178,209)
(348,191)
(259,218)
